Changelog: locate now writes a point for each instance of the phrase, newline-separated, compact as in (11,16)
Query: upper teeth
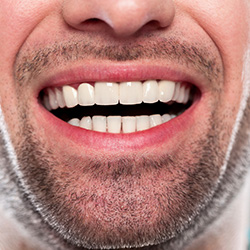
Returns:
(111,93)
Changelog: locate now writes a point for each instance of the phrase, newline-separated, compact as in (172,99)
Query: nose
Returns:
(124,17)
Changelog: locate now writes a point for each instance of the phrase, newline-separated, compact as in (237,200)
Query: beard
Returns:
(122,201)
(164,200)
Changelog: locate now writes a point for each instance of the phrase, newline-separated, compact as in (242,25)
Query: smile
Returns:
(124,107)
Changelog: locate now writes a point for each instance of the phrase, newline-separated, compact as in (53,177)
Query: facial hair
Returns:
(32,164)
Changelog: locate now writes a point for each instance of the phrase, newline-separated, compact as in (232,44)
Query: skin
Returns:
(102,191)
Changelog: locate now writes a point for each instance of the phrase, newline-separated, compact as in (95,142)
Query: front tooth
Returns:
(86,95)
(70,96)
(142,122)
(128,124)
(131,92)
(150,91)
(166,90)
(59,98)
(86,123)
(52,99)
(74,122)
(165,118)
(106,93)
(99,123)
(114,124)
(155,120)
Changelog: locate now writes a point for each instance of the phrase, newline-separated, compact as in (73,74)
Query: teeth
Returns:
(150,91)
(46,102)
(86,123)
(142,122)
(106,93)
(128,124)
(52,99)
(114,124)
(166,118)
(155,120)
(176,91)
(181,96)
(118,124)
(86,95)
(109,93)
(60,98)
(130,92)
(99,123)
(74,122)
(166,90)
(187,93)
(70,96)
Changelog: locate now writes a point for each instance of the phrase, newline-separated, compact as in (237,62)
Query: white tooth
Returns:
(128,124)
(154,120)
(187,92)
(86,95)
(142,122)
(166,90)
(172,116)
(46,102)
(74,122)
(59,98)
(165,118)
(114,124)
(181,96)
(52,99)
(99,123)
(86,123)
(70,96)
(130,92)
(150,91)
(177,91)
(106,93)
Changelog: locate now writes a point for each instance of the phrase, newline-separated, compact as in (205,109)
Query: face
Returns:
(142,165)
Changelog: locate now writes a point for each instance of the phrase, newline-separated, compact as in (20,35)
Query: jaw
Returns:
(115,184)
(152,183)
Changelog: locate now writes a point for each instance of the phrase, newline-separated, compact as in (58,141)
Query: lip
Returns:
(119,72)
(119,142)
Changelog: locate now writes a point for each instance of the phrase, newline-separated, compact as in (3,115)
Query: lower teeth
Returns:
(120,124)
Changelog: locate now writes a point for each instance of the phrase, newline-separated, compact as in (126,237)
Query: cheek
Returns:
(9,109)
(227,25)
(17,20)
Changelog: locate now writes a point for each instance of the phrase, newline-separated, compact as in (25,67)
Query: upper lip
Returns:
(119,72)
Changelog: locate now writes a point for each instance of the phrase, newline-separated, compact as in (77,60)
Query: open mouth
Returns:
(124,107)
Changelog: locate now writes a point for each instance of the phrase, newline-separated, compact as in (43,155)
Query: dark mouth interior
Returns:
(171,108)
(122,110)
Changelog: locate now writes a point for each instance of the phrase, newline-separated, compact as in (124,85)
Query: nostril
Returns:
(92,21)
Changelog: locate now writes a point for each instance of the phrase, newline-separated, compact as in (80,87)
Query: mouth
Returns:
(119,107)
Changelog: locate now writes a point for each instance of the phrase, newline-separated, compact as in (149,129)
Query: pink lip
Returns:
(118,73)
(119,142)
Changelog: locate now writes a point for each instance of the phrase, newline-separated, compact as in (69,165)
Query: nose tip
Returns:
(124,17)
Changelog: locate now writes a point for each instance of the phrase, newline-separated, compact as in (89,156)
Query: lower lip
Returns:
(119,142)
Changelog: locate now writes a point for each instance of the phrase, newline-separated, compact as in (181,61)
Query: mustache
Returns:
(31,62)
